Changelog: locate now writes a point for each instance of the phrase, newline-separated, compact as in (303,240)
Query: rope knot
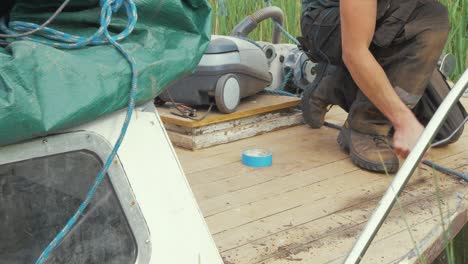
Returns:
(114,4)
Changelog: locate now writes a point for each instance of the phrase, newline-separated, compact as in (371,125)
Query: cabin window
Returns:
(38,196)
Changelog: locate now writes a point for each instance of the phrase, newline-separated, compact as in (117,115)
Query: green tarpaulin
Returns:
(45,90)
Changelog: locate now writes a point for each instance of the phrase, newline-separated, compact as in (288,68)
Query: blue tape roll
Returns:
(257,158)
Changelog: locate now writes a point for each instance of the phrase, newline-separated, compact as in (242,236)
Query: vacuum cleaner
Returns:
(234,67)
(230,69)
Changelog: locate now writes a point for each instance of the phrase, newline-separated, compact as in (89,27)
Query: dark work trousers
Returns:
(408,40)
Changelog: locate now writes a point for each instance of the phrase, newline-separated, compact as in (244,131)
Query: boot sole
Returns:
(343,139)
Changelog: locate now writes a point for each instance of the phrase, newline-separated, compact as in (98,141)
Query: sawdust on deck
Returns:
(311,205)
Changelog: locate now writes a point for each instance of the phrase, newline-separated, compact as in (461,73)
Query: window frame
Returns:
(99,146)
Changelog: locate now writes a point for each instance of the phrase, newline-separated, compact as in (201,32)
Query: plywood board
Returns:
(250,106)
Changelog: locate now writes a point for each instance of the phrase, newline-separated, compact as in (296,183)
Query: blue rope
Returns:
(102,36)
(63,40)
(285,32)
(281,90)
(278,92)
(287,77)
(222,9)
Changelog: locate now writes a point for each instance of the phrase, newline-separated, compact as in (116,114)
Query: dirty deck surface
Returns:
(312,203)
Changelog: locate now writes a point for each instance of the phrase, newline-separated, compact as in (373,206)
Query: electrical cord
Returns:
(435,166)
(443,141)
(185,115)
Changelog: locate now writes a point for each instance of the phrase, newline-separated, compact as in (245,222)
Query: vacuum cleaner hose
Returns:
(250,23)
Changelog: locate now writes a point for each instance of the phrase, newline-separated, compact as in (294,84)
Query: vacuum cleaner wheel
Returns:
(227,94)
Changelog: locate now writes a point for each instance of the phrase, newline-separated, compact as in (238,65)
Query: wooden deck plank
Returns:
(246,177)
(218,156)
(334,201)
(311,204)
(391,244)
(284,165)
(280,182)
(239,177)
(298,236)
(329,238)
(306,207)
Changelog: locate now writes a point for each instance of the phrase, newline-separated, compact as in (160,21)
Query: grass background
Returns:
(224,20)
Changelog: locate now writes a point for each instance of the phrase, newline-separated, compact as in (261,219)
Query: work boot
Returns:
(314,106)
(331,87)
(317,99)
(368,151)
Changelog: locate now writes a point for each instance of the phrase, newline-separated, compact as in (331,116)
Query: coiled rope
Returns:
(19,30)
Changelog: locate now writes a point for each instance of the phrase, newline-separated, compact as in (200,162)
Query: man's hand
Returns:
(407,132)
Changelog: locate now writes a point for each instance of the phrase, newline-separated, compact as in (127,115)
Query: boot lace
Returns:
(380,141)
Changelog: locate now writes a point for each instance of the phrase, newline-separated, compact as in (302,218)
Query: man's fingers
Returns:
(398,151)
(402,152)
(406,153)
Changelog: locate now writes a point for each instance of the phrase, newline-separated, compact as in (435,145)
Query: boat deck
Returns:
(311,205)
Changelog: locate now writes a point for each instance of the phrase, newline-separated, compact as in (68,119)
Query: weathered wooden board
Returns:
(216,134)
(255,116)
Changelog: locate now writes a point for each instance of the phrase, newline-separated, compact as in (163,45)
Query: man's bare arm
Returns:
(358,18)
